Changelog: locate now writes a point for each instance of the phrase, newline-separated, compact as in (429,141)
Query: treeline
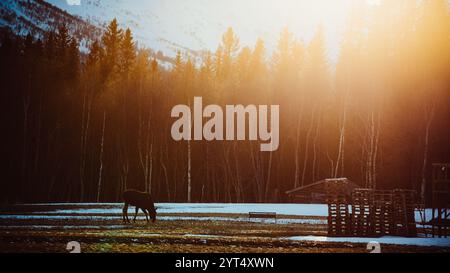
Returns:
(84,127)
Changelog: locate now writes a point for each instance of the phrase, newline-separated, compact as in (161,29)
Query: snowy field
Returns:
(306,210)
(161,218)
(443,242)
(295,223)
(280,209)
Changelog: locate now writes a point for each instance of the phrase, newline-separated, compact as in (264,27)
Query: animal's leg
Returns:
(125,213)
(135,214)
(146,215)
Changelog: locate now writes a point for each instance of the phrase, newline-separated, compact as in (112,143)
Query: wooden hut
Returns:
(316,193)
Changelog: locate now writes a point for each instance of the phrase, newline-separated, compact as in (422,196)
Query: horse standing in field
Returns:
(141,200)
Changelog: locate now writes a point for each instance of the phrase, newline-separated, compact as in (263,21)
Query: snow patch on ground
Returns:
(46,227)
(202,236)
(442,242)
(242,219)
(320,210)
(307,210)
(281,209)
(164,218)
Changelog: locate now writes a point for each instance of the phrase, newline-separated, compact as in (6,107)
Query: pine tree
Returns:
(127,52)
(243,65)
(206,70)
(218,64)
(111,40)
(178,66)
(62,40)
(230,46)
(50,46)
(73,61)
(317,65)
(95,54)
(257,64)
(154,66)
(282,58)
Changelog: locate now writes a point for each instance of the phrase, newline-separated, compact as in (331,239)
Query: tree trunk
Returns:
(189,186)
(269,169)
(297,149)
(316,137)
(306,154)
(340,158)
(429,121)
(85,122)
(26,106)
(100,170)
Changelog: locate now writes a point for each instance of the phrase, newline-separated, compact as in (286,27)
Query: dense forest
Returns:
(83,126)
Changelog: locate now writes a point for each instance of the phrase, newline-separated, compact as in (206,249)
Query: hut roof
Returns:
(320,186)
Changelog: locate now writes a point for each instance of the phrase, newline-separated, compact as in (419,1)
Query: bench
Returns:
(262,215)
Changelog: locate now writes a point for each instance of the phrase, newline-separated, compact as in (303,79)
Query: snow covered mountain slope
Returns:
(196,25)
(35,17)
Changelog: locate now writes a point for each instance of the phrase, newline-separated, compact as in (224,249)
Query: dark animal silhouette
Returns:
(141,200)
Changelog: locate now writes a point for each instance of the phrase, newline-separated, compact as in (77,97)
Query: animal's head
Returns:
(153,213)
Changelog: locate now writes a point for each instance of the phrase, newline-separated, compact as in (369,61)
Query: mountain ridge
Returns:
(37,17)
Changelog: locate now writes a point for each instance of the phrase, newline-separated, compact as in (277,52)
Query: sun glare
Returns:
(266,18)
